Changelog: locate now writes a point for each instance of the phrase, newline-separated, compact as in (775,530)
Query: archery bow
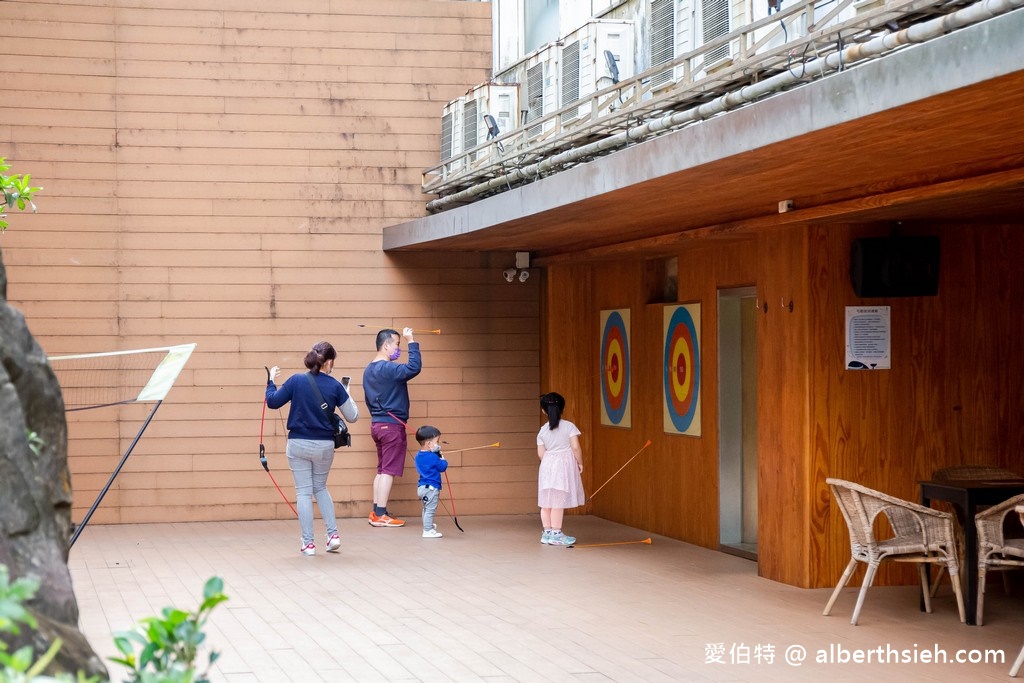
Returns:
(447,484)
(263,450)
(455,516)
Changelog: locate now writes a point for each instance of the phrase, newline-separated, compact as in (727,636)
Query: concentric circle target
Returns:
(682,369)
(615,367)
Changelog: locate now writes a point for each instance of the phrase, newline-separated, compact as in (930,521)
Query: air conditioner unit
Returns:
(538,73)
(500,101)
(452,133)
(715,22)
(660,22)
(593,57)
(675,30)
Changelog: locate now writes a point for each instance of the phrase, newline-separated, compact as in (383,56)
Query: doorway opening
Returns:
(737,422)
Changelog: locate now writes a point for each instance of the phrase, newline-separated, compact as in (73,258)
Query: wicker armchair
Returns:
(995,551)
(1020,657)
(921,535)
(966,473)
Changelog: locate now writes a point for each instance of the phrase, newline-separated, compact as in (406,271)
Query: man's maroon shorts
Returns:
(391,446)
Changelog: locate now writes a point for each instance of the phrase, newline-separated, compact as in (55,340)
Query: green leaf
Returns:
(211,602)
(156,631)
(146,656)
(22,658)
(123,645)
(214,587)
(8,626)
(176,616)
(125,661)
(133,635)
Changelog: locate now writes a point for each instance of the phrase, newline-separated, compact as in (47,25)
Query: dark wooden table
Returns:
(967,496)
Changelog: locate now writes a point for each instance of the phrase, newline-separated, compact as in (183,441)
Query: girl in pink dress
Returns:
(559,485)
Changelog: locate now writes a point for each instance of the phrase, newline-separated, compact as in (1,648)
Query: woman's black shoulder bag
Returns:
(341,434)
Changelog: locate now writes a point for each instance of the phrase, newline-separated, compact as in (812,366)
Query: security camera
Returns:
(524,275)
(510,274)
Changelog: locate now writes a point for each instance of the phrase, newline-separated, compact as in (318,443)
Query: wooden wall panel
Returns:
(220,172)
(671,488)
(782,418)
(567,357)
(951,396)
(630,498)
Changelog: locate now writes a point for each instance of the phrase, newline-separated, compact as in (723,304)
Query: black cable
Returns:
(785,41)
(803,63)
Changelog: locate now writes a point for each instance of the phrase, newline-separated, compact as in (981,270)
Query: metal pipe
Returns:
(124,458)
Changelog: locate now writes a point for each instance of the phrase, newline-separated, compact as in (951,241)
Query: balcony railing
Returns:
(789,40)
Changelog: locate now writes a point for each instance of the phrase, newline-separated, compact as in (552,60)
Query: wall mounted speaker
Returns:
(895,266)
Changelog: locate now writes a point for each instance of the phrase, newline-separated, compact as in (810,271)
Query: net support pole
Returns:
(124,458)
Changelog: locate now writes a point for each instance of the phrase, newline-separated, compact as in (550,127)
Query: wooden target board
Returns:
(681,369)
(615,368)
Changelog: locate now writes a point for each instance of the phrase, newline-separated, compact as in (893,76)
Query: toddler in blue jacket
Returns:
(429,464)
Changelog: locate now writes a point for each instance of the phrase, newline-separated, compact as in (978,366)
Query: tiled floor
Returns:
(494,604)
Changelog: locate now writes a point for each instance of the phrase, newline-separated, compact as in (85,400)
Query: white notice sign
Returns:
(868,336)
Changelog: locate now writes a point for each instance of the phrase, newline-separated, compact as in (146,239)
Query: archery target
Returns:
(681,368)
(615,368)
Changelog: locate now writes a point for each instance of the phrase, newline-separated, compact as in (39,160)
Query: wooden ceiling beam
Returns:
(1008,183)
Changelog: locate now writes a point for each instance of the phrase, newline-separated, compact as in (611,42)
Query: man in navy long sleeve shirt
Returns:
(385,385)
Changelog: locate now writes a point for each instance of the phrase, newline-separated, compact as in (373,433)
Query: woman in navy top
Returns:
(311,437)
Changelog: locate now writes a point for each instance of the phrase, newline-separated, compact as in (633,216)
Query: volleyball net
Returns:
(100,380)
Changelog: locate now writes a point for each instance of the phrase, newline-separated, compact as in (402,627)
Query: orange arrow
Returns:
(598,545)
(616,472)
(496,444)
